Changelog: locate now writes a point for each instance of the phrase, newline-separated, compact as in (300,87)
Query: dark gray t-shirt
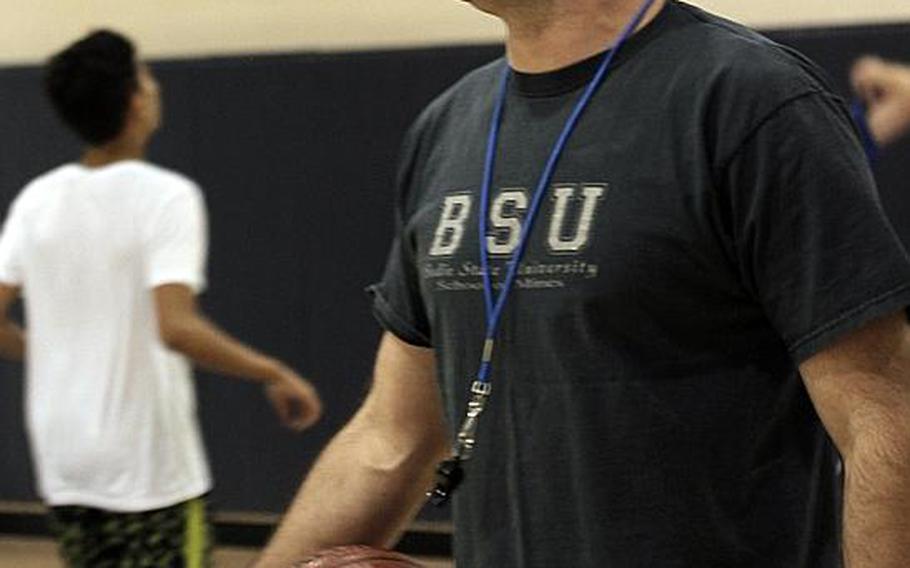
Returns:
(712,224)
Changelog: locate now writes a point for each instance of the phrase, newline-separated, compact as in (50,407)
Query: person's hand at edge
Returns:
(884,88)
(294,399)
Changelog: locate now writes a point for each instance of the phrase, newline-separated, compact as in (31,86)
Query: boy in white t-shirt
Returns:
(110,253)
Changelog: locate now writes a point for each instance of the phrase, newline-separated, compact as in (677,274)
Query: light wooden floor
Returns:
(18,552)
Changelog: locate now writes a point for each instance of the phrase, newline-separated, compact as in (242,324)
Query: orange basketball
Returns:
(358,556)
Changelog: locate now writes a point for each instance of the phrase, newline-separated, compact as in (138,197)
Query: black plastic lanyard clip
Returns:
(450,473)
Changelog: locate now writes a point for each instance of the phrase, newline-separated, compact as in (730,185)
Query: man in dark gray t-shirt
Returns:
(707,319)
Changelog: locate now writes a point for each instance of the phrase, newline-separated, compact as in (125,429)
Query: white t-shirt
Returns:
(111,413)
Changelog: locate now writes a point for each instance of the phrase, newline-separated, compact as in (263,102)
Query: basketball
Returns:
(358,556)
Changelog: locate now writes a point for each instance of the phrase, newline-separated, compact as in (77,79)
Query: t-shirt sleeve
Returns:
(811,240)
(11,270)
(177,241)
(397,301)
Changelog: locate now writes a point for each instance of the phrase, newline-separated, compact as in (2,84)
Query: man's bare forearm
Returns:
(371,480)
(364,489)
(877,497)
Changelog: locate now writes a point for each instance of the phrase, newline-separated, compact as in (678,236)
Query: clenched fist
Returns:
(294,399)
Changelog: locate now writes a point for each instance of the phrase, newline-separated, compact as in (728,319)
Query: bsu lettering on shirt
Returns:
(566,221)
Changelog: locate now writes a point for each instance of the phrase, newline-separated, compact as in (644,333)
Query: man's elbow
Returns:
(880,434)
(407,452)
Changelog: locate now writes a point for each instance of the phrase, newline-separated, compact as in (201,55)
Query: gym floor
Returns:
(23,552)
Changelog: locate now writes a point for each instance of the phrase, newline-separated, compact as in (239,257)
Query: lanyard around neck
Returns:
(450,473)
(494,304)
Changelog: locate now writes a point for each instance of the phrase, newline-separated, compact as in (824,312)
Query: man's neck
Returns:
(565,32)
(116,151)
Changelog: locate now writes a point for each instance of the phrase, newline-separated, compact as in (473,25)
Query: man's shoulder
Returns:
(462,96)
(479,80)
(729,78)
(735,56)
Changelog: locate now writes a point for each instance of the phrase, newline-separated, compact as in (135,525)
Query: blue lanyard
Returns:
(450,473)
(494,305)
(858,110)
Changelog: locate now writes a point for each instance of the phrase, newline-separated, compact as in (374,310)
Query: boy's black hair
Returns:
(90,84)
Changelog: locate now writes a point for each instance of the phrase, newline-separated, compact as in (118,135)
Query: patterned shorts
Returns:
(173,537)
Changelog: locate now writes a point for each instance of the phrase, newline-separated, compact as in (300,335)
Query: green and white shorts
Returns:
(174,537)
